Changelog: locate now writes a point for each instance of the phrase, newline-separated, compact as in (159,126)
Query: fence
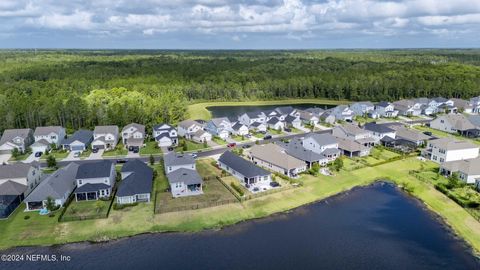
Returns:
(165,209)
(63,218)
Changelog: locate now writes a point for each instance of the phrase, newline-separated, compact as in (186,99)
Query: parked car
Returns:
(121,161)
(246,146)
(38,154)
(136,150)
(76,154)
(95,150)
(231,145)
(194,155)
(267,137)
(248,136)
(428,133)
(288,129)
(170,149)
(262,132)
(274,184)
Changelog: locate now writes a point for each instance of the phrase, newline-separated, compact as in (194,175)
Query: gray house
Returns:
(105,137)
(136,184)
(79,141)
(133,136)
(249,174)
(182,175)
(57,186)
(19,139)
(95,180)
(296,149)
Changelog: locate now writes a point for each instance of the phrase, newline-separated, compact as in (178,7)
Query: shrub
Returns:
(26,217)
(117,206)
(237,188)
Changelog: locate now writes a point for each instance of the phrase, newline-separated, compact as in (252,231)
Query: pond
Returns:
(235,111)
(376,227)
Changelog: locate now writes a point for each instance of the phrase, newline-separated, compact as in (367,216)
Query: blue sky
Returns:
(241,24)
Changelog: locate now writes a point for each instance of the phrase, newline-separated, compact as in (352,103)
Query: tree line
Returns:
(86,88)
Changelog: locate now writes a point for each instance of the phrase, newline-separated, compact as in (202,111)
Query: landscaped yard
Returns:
(377,155)
(190,146)
(274,131)
(239,138)
(97,209)
(58,154)
(20,157)
(218,140)
(259,135)
(86,153)
(151,148)
(206,169)
(120,150)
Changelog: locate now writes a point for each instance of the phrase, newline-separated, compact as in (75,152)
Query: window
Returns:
(79,182)
(442,159)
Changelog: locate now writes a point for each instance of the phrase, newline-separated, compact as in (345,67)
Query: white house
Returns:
(19,139)
(239,129)
(309,118)
(386,109)
(95,180)
(165,135)
(342,113)
(187,128)
(275,123)
(174,161)
(28,175)
(249,118)
(448,149)
(201,136)
(324,144)
(454,123)
(105,137)
(468,169)
(293,121)
(379,131)
(133,135)
(258,127)
(221,127)
(362,108)
(50,134)
(182,176)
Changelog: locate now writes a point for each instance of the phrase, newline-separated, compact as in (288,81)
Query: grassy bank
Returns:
(139,219)
(200,111)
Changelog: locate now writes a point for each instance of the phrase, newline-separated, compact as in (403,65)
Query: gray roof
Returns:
(451,144)
(440,99)
(218,121)
(475,120)
(273,120)
(290,119)
(12,188)
(256,124)
(295,149)
(161,135)
(323,139)
(177,159)
(56,184)
(284,109)
(138,182)
(411,135)
(458,121)
(106,129)
(10,134)
(139,127)
(467,166)
(254,114)
(91,187)
(244,167)
(84,136)
(94,169)
(315,110)
(188,123)
(187,176)
(16,170)
(383,104)
(163,126)
(275,154)
(379,128)
(237,126)
(43,131)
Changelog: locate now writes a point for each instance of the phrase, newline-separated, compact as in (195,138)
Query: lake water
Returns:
(234,111)
(376,227)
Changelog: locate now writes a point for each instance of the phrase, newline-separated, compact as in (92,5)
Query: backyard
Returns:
(377,155)
(442,134)
(86,210)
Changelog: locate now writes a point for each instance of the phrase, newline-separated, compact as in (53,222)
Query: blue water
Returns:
(376,227)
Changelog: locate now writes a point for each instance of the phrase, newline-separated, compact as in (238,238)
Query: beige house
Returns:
(274,158)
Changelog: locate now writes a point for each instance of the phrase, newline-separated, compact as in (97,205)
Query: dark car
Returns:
(267,137)
(170,148)
(246,146)
(95,150)
(231,145)
(121,161)
(288,129)
(427,133)
(38,154)
(262,132)
(274,184)
(136,150)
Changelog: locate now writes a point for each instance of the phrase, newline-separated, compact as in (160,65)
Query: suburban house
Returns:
(293,121)
(379,131)
(46,136)
(258,127)
(284,111)
(95,180)
(19,139)
(448,149)
(136,184)
(362,108)
(105,137)
(407,107)
(295,149)
(316,111)
(463,105)
(475,102)
(174,161)
(275,123)
(220,127)
(16,182)
(249,118)
(201,136)
(182,176)
(343,113)
(468,169)
(408,136)
(270,113)
(165,135)
(57,186)
(455,123)
(352,148)
(275,158)
(354,133)
(309,118)
(187,128)
(79,141)
(386,109)
(328,117)
(239,129)
(133,136)
(248,173)
(323,144)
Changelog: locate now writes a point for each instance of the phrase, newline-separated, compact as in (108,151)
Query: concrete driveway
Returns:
(31,158)
(97,155)
(131,154)
(70,157)
(4,158)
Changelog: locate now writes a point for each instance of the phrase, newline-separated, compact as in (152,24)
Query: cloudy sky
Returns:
(237,24)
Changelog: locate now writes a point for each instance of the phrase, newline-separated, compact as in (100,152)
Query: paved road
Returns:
(206,153)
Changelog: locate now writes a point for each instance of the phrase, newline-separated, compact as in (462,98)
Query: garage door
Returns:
(99,146)
(77,148)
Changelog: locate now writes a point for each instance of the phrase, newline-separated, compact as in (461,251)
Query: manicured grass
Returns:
(86,153)
(259,135)
(274,132)
(58,154)
(219,141)
(239,138)
(206,169)
(191,146)
(442,134)
(200,111)
(43,230)
(20,157)
(120,150)
(151,148)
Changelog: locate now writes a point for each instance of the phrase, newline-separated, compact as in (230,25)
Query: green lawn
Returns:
(239,138)
(218,141)
(86,209)
(200,110)
(86,153)
(274,131)
(151,148)
(259,135)
(120,150)
(43,230)
(442,134)
(58,154)
(191,146)
(206,169)
(20,157)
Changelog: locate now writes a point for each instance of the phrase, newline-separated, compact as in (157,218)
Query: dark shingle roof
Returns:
(383,104)
(378,128)
(273,120)
(95,169)
(12,188)
(84,136)
(138,182)
(241,165)
(91,188)
(56,184)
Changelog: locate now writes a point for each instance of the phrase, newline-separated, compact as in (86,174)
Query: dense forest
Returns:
(76,88)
